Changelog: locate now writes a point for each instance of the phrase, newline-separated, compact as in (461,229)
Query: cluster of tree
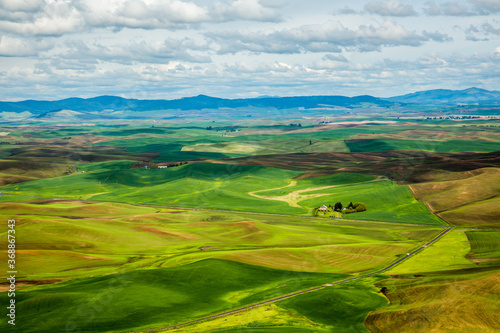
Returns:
(171,165)
(227,130)
(69,170)
(453,117)
(480,126)
(354,208)
(296,125)
(5,143)
(338,206)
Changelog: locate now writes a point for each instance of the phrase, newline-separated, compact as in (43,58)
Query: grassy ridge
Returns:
(118,302)
(271,146)
(449,146)
(105,166)
(441,290)
(66,240)
(482,214)
(340,309)
(449,301)
(225,186)
(447,254)
(472,186)
(75,209)
(485,250)
(463,198)
(386,201)
(305,183)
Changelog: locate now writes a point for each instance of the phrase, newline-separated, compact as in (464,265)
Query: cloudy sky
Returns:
(53,49)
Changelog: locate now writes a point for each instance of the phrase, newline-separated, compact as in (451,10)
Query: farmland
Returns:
(100,228)
(174,237)
(224,186)
(174,245)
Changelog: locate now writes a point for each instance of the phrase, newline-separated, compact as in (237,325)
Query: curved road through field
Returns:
(275,299)
(293,198)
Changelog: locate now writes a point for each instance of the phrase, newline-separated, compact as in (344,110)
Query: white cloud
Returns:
(142,14)
(390,8)
(176,48)
(53,18)
(455,9)
(326,76)
(487,6)
(482,32)
(471,8)
(16,47)
(327,37)
(22,5)
(335,57)
(437,36)
(165,51)
(347,10)
(252,10)
(490,29)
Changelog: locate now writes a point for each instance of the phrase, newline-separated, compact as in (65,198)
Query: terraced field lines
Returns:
(287,296)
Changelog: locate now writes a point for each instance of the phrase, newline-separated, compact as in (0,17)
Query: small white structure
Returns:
(162,166)
(323,208)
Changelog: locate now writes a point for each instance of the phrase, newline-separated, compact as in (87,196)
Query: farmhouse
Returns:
(323,208)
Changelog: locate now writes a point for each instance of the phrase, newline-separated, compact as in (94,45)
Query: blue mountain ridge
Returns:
(100,103)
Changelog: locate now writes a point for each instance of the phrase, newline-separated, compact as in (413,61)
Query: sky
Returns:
(168,49)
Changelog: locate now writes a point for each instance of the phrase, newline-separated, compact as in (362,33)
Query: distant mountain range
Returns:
(469,96)
(113,103)
(189,103)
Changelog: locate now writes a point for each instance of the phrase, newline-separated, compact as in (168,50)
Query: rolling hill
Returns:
(450,97)
(189,103)
(469,96)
